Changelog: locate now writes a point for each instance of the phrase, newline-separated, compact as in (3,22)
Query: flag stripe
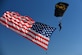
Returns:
(47,39)
(27,36)
(14,20)
(38,42)
(17,17)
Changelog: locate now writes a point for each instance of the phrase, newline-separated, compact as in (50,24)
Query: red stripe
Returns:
(36,43)
(39,36)
(19,23)
(10,15)
(30,31)
(29,35)
(8,18)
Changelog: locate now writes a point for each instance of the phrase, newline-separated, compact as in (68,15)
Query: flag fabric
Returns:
(36,32)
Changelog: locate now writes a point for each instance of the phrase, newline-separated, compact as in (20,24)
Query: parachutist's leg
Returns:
(60,26)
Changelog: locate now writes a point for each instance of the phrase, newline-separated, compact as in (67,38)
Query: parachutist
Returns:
(60,26)
(59,11)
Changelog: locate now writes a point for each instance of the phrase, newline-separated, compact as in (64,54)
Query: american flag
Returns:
(36,32)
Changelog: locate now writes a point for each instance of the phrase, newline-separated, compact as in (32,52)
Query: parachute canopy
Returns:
(60,8)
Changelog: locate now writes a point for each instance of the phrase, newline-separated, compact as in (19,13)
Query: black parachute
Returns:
(60,9)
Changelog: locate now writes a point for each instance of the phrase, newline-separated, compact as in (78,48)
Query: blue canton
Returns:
(43,29)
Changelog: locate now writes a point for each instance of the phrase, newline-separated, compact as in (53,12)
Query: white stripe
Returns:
(21,22)
(30,37)
(35,41)
(15,18)
(40,43)
(39,38)
(41,35)
(32,31)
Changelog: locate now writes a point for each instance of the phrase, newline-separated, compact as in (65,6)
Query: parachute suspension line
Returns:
(60,19)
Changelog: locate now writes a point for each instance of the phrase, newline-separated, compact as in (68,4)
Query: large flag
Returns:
(36,32)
